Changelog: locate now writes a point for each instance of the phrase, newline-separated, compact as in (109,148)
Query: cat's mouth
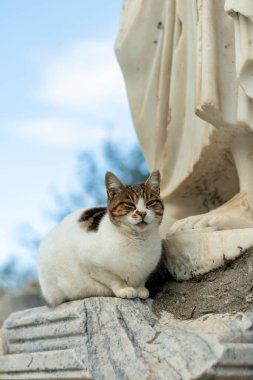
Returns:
(142,224)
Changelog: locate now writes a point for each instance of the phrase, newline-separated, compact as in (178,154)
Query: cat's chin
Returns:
(141,225)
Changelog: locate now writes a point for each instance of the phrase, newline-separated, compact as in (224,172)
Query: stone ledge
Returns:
(195,252)
(110,338)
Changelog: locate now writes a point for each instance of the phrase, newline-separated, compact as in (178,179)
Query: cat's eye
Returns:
(151,203)
(128,204)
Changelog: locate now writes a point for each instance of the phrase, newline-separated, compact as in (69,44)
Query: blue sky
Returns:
(61,91)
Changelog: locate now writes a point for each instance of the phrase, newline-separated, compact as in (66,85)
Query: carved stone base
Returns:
(195,252)
(110,338)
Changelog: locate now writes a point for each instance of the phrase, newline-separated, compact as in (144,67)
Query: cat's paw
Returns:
(142,293)
(127,292)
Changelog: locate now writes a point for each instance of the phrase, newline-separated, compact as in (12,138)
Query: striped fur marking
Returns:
(92,217)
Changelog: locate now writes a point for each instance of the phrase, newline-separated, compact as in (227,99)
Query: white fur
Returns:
(115,260)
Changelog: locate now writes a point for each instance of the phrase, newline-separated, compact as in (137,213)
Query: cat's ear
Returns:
(113,184)
(153,181)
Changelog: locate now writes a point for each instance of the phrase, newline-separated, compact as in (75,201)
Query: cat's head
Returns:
(137,207)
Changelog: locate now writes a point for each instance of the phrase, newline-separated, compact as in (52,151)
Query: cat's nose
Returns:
(142,214)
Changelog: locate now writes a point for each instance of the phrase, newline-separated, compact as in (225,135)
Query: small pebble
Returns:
(249,298)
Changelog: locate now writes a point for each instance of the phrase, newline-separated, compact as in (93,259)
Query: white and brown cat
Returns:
(105,251)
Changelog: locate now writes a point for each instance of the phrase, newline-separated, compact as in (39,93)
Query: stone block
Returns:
(194,252)
(111,338)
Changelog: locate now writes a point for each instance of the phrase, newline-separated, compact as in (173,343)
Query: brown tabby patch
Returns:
(92,217)
(126,200)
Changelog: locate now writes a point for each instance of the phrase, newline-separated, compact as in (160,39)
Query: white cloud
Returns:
(83,81)
(67,134)
(86,77)
(61,133)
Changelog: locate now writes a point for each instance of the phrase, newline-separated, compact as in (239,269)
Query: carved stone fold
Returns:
(110,338)
(195,252)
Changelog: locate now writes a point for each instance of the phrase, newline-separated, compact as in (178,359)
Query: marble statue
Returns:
(188,69)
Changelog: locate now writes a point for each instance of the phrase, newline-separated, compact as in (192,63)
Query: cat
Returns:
(105,251)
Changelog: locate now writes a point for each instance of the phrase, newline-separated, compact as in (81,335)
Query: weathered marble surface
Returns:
(195,252)
(110,338)
(188,69)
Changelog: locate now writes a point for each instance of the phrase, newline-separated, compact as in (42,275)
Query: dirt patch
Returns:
(227,289)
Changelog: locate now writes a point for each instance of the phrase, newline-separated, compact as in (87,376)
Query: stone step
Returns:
(43,365)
